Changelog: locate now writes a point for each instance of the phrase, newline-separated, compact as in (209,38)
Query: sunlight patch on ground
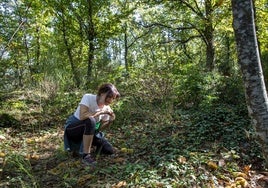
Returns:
(31,145)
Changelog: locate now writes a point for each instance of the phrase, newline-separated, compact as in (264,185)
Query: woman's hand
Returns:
(112,116)
(102,112)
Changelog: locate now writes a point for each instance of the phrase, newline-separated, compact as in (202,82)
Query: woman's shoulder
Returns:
(89,95)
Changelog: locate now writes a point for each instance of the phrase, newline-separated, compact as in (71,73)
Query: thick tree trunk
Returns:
(249,60)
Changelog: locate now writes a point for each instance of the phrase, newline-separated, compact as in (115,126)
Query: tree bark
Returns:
(209,36)
(69,50)
(90,37)
(126,48)
(250,63)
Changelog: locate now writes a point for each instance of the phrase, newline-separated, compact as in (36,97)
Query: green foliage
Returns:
(222,124)
(145,96)
(203,89)
(7,120)
(227,126)
(195,87)
(231,90)
(64,104)
(21,170)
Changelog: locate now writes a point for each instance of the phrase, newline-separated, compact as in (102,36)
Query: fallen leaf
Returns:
(118,160)
(30,141)
(231,186)
(28,156)
(247,169)
(181,159)
(124,150)
(2,137)
(54,171)
(35,157)
(82,180)
(127,150)
(120,184)
(212,165)
(2,154)
(221,163)
(240,174)
(241,181)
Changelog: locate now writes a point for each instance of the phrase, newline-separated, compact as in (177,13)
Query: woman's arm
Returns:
(84,113)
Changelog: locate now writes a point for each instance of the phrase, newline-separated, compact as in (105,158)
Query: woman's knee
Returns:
(90,126)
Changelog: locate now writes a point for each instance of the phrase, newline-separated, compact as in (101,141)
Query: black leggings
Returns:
(76,130)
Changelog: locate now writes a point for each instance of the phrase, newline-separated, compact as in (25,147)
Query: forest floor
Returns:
(32,155)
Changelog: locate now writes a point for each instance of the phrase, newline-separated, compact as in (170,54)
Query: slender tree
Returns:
(64,29)
(209,36)
(249,60)
(91,35)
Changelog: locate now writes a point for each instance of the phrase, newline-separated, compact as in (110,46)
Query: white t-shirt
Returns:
(90,101)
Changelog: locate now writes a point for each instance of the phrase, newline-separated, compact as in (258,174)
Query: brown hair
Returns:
(110,89)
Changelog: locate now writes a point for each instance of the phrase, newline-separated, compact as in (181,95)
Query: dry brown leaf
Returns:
(2,137)
(231,186)
(247,169)
(82,180)
(242,182)
(181,159)
(221,163)
(118,160)
(2,154)
(35,157)
(212,165)
(28,156)
(30,141)
(240,174)
(54,171)
(120,184)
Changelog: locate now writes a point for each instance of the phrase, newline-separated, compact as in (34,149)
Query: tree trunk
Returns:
(249,60)
(90,38)
(38,47)
(126,49)
(207,32)
(209,37)
(69,52)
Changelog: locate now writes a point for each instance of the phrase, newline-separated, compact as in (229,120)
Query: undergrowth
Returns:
(208,147)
